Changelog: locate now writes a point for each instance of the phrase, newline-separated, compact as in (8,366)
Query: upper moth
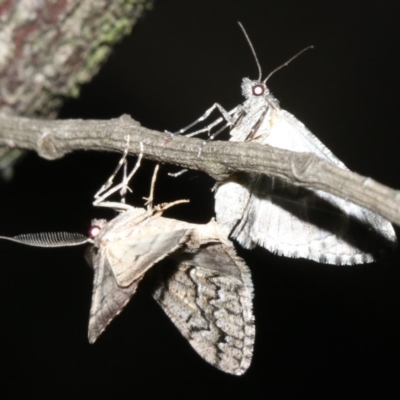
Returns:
(284,218)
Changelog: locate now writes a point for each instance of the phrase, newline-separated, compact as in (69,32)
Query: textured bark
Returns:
(49,48)
(54,139)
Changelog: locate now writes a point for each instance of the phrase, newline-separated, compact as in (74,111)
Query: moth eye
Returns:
(94,231)
(258,90)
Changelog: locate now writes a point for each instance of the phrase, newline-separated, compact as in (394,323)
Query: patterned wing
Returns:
(208,296)
(296,222)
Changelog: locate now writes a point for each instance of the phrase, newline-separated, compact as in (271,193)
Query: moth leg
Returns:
(150,199)
(228,116)
(238,113)
(212,137)
(176,174)
(110,180)
(123,186)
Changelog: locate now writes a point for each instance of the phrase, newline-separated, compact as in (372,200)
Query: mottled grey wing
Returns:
(108,299)
(296,222)
(208,296)
(130,258)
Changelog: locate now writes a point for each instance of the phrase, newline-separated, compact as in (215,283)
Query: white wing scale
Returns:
(291,221)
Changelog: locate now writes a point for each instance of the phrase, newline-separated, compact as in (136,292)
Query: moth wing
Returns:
(297,222)
(108,299)
(130,258)
(283,130)
(211,305)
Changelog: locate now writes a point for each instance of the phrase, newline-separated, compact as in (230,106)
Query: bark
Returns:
(49,48)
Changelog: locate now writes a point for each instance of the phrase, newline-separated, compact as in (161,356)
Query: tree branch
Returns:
(48,49)
(54,139)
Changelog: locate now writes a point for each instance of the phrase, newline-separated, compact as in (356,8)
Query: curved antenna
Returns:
(287,62)
(252,50)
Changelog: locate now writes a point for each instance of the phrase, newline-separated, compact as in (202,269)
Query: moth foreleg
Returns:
(123,187)
(110,180)
(150,199)
(228,116)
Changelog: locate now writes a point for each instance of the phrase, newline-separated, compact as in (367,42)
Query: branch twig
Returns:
(54,139)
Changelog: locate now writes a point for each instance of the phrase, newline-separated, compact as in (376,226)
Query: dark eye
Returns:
(94,231)
(258,90)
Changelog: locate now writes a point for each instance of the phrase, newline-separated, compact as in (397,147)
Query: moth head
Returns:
(96,228)
(94,231)
(254,89)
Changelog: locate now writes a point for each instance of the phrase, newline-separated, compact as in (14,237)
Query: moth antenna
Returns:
(49,239)
(287,62)
(252,50)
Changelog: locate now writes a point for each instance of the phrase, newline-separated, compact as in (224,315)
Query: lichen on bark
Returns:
(48,49)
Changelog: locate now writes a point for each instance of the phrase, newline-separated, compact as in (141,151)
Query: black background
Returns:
(321,330)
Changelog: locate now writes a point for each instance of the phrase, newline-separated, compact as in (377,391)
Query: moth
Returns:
(286,219)
(206,289)
(207,293)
